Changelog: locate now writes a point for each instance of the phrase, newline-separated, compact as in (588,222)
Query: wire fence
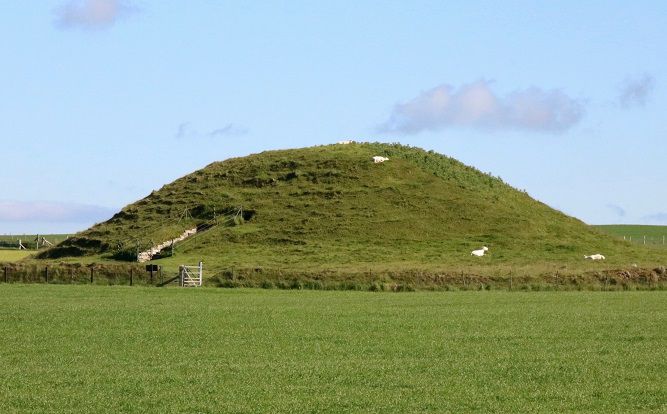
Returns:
(76,273)
(30,241)
(649,240)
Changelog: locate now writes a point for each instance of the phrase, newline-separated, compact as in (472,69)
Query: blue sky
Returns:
(105,100)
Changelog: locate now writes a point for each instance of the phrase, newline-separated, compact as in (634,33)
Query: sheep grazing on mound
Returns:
(480,252)
(378,159)
(596,256)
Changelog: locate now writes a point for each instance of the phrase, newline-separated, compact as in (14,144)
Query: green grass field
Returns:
(29,240)
(53,238)
(13,255)
(655,235)
(9,245)
(115,349)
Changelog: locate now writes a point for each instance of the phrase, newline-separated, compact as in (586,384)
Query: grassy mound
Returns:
(331,209)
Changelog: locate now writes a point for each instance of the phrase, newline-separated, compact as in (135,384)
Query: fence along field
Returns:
(638,234)
(10,245)
(30,241)
(530,279)
(537,276)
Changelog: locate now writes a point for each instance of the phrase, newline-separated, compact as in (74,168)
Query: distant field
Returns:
(13,255)
(29,240)
(116,349)
(9,245)
(655,235)
(30,237)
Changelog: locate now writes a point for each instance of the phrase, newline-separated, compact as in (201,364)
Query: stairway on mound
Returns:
(148,254)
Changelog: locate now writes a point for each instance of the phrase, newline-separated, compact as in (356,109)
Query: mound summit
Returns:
(330,207)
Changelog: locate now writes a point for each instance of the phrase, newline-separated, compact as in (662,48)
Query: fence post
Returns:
(92,271)
(606,282)
(510,280)
(557,279)
(201,273)
(130,276)
(6,271)
(46,274)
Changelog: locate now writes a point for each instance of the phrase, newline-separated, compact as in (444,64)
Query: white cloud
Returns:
(475,105)
(92,14)
(52,211)
(636,91)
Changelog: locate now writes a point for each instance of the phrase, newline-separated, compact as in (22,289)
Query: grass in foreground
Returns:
(96,349)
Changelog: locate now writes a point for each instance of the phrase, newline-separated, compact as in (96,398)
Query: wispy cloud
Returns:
(636,91)
(618,210)
(476,105)
(228,130)
(186,130)
(92,14)
(52,211)
(657,218)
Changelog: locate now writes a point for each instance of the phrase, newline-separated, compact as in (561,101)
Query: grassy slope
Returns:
(330,207)
(290,351)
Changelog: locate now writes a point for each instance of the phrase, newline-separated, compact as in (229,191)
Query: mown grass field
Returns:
(13,255)
(116,349)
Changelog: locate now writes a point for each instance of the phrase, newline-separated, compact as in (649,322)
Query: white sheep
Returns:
(480,252)
(596,256)
(378,159)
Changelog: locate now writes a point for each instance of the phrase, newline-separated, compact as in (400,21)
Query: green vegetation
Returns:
(9,245)
(91,349)
(533,278)
(29,240)
(639,234)
(13,255)
(329,210)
